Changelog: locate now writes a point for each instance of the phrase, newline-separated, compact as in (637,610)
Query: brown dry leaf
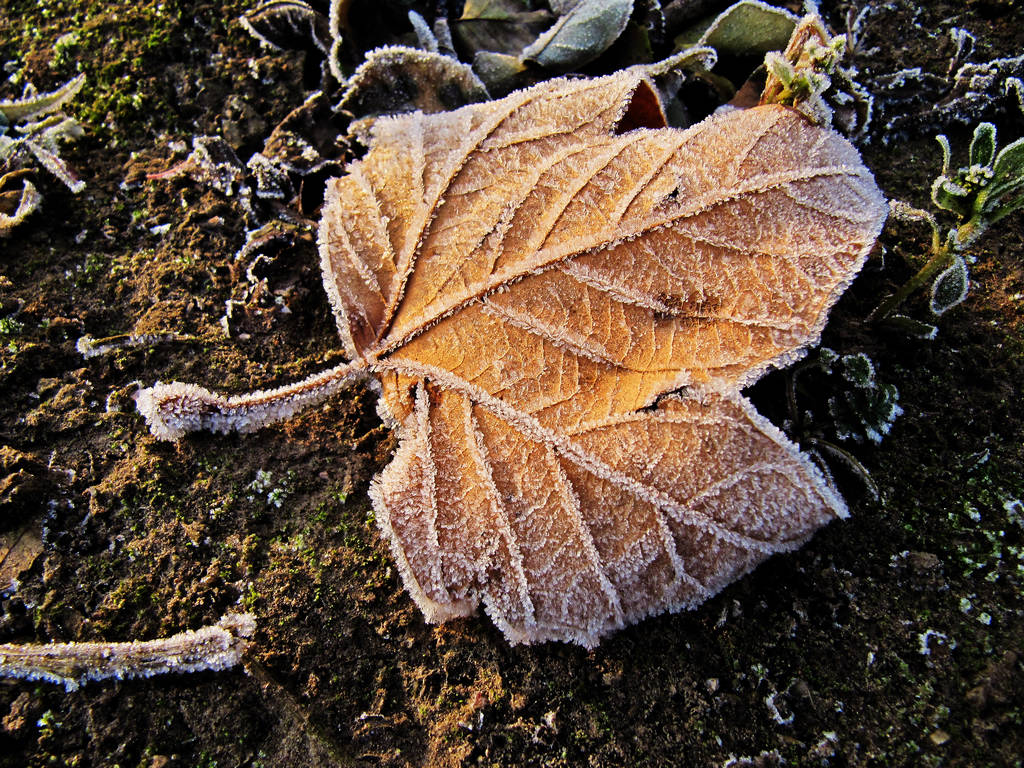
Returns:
(398,79)
(528,278)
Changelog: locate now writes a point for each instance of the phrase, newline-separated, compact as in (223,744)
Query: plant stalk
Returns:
(941,259)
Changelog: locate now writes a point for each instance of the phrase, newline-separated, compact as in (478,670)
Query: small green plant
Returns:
(808,77)
(978,195)
(65,47)
(801,73)
(10,326)
(861,409)
(264,484)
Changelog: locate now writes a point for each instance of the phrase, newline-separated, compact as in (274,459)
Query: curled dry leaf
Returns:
(288,25)
(398,79)
(528,279)
(16,205)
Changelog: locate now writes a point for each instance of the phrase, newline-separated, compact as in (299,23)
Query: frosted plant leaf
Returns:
(744,28)
(33,128)
(528,280)
(950,287)
(584,32)
(33,106)
(424,34)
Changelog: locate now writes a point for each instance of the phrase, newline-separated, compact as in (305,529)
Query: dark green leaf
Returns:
(580,36)
(500,72)
(983,145)
(1009,163)
(950,287)
(632,47)
(858,370)
(498,26)
(745,28)
(492,10)
(911,327)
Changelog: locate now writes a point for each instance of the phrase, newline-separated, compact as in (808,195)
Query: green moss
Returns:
(9,326)
(121,48)
(131,597)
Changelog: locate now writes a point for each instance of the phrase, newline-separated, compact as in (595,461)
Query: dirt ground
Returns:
(892,638)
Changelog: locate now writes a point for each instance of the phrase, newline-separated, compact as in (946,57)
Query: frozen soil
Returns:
(892,638)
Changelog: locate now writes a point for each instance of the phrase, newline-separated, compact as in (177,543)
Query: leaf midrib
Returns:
(545,260)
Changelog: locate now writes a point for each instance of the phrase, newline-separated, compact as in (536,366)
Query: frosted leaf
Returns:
(745,28)
(288,25)
(528,279)
(584,32)
(33,106)
(950,287)
(28,200)
(399,79)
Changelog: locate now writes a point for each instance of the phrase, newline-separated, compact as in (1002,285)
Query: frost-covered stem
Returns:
(939,261)
(943,254)
(848,458)
(215,647)
(791,386)
(89,347)
(173,409)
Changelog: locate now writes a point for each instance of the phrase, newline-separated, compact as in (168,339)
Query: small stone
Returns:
(612,677)
(24,711)
(939,737)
